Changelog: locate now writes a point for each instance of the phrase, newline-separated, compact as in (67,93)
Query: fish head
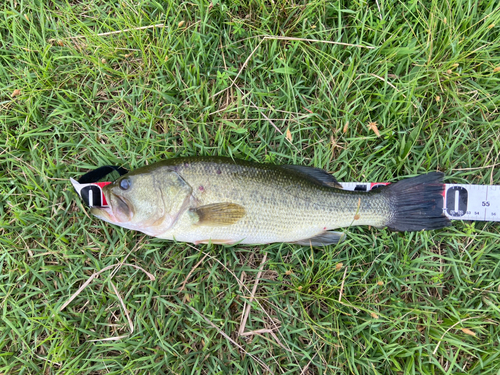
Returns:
(149,202)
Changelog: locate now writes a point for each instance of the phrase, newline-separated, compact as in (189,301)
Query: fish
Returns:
(229,201)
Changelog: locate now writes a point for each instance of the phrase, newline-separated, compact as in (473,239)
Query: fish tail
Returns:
(417,203)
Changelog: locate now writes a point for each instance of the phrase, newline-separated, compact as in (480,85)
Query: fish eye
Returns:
(125,184)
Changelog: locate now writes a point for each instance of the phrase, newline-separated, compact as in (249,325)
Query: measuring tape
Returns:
(461,202)
(90,190)
(91,193)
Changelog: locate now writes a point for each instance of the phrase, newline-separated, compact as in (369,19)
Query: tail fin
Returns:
(417,203)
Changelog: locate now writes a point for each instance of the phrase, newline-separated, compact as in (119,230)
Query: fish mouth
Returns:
(104,213)
(121,208)
(117,212)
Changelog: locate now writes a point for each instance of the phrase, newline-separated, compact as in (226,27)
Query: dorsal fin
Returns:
(316,175)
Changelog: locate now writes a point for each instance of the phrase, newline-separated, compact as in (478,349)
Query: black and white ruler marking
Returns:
(460,202)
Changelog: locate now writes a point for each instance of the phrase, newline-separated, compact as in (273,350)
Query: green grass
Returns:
(140,96)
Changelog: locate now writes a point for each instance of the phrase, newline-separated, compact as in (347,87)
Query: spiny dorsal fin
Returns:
(316,175)
(322,239)
(216,214)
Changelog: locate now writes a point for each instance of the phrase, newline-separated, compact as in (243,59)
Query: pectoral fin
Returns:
(322,239)
(217,214)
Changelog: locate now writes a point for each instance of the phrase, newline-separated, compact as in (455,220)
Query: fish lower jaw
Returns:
(104,213)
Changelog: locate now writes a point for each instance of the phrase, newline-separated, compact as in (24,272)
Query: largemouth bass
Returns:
(225,201)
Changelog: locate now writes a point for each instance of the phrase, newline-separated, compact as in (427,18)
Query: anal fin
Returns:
(322,239)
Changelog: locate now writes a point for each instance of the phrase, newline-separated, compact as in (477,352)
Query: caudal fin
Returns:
(417,203)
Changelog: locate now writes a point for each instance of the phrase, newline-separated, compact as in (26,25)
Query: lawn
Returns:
(368,90)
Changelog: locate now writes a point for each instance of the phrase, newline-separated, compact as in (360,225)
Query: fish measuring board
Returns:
(460,202)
